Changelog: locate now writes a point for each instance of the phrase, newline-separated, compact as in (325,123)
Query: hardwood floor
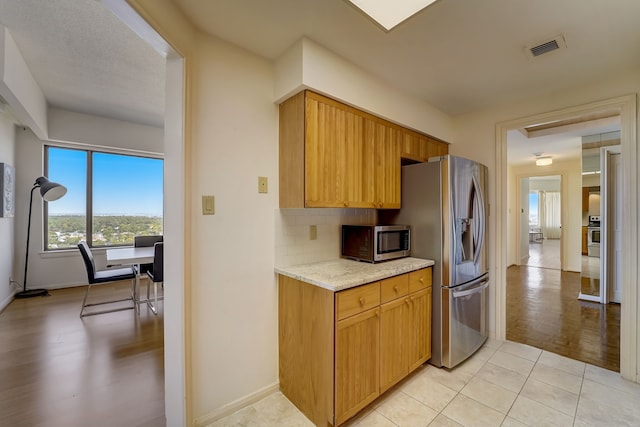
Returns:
(545,253)
(543,311)
(59,370)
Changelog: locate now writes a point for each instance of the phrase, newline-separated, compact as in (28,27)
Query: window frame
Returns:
(89,192)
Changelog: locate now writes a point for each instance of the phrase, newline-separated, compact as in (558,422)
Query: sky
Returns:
(122,185)
(533,206)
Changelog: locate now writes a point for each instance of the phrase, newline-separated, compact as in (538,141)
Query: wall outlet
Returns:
(313,232)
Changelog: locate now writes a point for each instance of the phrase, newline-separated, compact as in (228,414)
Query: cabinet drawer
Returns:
(420,279)
(394,287)
(355,300)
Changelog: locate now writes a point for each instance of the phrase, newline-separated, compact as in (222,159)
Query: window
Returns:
(534,217)
(115,196)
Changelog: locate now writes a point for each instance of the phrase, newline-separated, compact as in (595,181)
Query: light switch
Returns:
(208,205)
(313,232)
(263,184)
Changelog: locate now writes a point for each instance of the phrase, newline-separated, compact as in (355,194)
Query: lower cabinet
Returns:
(357,360)
(340,351)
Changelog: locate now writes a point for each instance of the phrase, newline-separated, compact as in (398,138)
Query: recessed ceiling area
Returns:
(562,141)
(389,14)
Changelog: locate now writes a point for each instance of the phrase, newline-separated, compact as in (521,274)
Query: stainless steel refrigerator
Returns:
(444,201)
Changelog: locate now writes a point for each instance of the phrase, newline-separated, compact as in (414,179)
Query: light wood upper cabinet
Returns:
(418,147)
(386,143)
(334,155)
(335,159)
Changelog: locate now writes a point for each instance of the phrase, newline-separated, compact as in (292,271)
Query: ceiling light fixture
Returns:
(390,13)
(544,161)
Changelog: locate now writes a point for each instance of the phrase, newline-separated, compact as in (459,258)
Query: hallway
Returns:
(545,254)
(543,311)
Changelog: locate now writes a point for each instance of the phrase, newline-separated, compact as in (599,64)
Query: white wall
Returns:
(234,298)
(69,126)
(7,225)
(235,140)
(293,244)
(59,269)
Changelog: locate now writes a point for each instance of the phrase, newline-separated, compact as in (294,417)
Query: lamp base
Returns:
(30,293)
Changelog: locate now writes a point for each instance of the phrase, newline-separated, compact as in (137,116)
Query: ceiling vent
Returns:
(545,47)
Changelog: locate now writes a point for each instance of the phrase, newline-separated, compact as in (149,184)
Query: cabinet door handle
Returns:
(406,301)
(362,302)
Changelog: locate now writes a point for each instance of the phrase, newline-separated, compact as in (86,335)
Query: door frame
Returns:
(605,178)
(177,339)
(627,106)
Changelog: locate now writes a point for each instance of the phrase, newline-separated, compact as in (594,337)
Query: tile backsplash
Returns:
(293,233)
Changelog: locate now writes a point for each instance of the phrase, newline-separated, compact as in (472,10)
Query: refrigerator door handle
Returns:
(474,290)
(480,223)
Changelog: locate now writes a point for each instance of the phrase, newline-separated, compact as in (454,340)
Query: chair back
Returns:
(89,263)
(158,262)
(146,241)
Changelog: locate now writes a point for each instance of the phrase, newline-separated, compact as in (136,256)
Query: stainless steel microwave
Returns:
(375,243)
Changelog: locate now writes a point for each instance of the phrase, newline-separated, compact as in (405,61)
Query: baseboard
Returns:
(236,405)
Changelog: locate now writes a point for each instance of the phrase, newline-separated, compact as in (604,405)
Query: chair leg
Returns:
(84,300)
(85,305)
(155,297)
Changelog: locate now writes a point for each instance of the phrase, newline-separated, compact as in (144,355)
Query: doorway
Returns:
(626,106)
(541,225)
(176,163)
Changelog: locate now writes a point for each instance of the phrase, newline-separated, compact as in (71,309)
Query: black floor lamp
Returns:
(49,191)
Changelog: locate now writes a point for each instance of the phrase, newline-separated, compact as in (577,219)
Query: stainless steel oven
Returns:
(593,236)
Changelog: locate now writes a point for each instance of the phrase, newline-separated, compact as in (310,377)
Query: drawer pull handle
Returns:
(395,289)
(362,302)
(421,280)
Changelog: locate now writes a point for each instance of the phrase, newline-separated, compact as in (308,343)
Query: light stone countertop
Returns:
(340,274)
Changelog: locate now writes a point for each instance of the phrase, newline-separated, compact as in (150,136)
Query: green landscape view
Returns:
(68,230)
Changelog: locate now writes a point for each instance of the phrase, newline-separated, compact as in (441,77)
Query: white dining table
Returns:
(142,255)
(131,256)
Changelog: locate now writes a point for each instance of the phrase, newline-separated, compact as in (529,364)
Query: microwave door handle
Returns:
(473,290)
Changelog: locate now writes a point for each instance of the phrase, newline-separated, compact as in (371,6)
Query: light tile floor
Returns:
(503,384)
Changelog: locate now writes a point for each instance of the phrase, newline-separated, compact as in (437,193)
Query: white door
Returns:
(524,220)
(614,227)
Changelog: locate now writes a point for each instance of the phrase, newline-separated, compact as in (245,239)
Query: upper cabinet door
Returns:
(386,143)
(334,157)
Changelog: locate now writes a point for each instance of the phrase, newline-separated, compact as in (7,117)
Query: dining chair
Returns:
(104,276)
(145,241)
(156,275)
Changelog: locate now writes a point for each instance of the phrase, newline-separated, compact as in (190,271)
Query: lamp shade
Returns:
(49,190)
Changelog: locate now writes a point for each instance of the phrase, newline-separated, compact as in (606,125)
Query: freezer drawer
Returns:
(464,320)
